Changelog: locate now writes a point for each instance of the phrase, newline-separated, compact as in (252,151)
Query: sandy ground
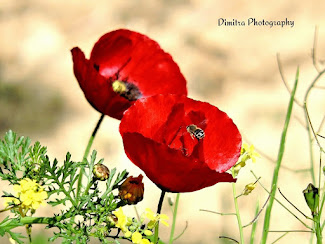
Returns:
(232,67)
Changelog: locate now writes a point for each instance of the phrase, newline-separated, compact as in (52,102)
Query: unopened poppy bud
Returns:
(132,190)
(312,198)
(101,172)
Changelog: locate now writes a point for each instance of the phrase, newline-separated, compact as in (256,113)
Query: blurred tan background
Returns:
(232,67)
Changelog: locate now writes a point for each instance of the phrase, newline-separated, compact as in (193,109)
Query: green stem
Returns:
(284,205)
(310,136)
(254,224)
(322,205)
(29,232)
(90,142)
(90,183)
(156,236)
(36,220)
(7,208)
(171,238)
(318,229)
(278,163)
(240,225)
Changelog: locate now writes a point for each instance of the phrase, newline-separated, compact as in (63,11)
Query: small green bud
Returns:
(132,228)
(312,198)
(171,200)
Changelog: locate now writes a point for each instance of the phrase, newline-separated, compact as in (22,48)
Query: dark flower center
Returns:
(127,90)
(96,66)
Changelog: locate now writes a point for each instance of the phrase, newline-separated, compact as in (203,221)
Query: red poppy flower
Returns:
(181,144)
(124,66)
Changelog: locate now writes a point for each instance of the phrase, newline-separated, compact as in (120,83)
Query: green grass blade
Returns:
(278,163)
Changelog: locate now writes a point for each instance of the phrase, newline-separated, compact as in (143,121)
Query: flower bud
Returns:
(101,172)
(249,188)
(238,167)
(132,190)
(312,198)
(171,200)
(148,232)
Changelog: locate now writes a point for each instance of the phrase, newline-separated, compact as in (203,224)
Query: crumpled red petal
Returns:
(128,56)
(97,89)
(156,140)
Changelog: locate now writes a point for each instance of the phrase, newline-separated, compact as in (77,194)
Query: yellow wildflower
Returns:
(8,200)
(136,237)
(145,241)
(249,153)
(154,218)
(30,194)
(148,232)
(25,185)
(128,234)
(121,219)
(33,199)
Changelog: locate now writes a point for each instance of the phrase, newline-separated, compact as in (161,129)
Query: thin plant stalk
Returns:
(318,228)
(90,143)
(280,237)
(240,225)
(254,224)
(310,135)
(278,164)
(317,216)
(284,206)
(161,200)
(171,238)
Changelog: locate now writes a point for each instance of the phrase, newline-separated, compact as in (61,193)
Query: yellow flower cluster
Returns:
(29,194)
(247,153)
(154,218)
(122,220)
(131,228)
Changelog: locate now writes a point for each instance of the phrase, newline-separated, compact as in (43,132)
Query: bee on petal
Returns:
(195,131)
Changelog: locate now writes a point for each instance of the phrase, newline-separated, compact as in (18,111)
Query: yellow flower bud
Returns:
(249,188)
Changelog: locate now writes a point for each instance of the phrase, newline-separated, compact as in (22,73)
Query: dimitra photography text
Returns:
(255,22)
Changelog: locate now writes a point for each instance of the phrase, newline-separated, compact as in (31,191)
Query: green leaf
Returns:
(14,153)
(7,225)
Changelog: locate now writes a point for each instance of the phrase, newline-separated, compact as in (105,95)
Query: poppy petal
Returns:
(168,168)
(133,59)
(156,139)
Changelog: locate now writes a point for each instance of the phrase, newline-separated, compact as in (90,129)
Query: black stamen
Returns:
(132,92)
(96,66)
